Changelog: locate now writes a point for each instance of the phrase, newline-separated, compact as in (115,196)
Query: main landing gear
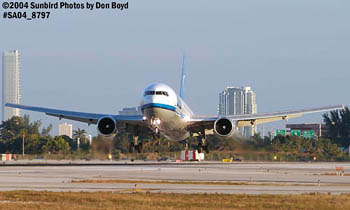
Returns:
(202,145)
(136,145)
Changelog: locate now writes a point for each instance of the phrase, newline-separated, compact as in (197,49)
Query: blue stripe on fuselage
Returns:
(158,105)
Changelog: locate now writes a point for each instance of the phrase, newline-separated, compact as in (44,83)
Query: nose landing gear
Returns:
(156,134)
(135,145)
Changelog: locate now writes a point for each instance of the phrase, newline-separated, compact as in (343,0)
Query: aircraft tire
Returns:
(199,148)
(131,148)
(206,148)
(139,148)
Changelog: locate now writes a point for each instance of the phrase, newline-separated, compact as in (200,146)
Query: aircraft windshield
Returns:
(156,93)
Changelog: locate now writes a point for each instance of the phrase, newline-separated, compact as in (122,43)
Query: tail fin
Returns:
(183,78)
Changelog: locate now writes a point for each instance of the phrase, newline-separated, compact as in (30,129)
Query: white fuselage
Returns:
(165,112)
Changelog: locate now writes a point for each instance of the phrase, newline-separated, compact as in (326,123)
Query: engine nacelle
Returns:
(107,126)
(224,127)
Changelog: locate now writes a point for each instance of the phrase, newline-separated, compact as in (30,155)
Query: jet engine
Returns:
(224,127)
(107,126)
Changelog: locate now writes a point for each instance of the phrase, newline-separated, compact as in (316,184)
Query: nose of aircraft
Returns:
(158,94)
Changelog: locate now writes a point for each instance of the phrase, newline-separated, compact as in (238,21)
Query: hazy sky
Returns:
(294,54)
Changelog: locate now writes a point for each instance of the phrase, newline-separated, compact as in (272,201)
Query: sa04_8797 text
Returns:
(27,15)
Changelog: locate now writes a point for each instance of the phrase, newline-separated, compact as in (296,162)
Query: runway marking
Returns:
(286,183)
(332,174)
(179,178)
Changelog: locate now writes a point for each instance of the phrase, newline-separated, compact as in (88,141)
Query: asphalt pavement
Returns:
(238,177)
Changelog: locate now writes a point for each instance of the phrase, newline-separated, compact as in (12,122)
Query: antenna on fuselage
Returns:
(183,78)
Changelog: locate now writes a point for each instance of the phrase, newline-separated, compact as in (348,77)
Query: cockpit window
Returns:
(156,93)
(149,93)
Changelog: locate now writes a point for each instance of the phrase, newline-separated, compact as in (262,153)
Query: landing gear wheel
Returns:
(199,148)
(131,148)
(206,148)
(139,148)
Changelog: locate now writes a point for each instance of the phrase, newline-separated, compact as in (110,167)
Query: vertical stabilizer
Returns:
(182,78)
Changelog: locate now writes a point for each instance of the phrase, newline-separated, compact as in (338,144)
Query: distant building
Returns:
(319,130)
(65,129)
(90,139)
(238,101)
(11,83)
(130,111)
(250,107)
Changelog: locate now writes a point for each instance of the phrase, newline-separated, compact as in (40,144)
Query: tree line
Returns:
(19,131)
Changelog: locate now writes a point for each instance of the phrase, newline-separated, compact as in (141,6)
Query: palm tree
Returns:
(338,123)
(79,134)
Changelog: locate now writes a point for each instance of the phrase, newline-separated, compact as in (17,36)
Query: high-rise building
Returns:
(65,129)
(11,85)
(238,101)
(250,107)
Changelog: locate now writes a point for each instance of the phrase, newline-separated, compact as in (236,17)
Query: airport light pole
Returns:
(78,145)
(23,134)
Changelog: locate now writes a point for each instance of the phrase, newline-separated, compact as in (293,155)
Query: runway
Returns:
(248,178)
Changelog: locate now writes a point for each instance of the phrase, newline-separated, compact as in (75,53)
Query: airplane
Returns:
(164,113)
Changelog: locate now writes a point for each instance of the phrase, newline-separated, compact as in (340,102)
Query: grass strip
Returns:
(111,200)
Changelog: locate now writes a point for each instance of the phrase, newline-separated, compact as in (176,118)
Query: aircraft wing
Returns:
(90,118)
(207,122)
